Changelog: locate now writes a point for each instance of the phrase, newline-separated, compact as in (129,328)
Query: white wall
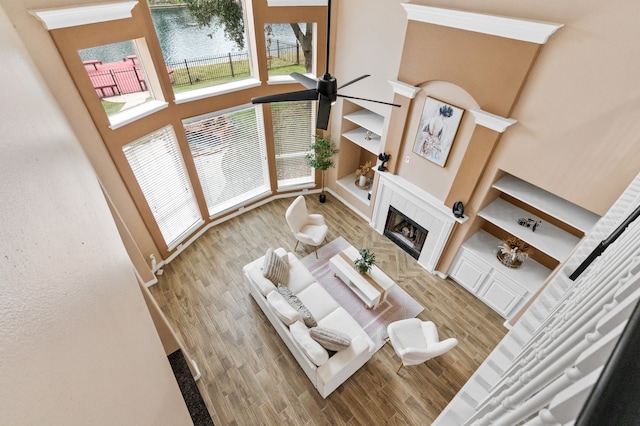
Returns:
(77,344)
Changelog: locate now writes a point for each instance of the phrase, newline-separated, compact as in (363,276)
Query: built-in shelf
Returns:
(360,142)
(559,208)
(547,238)
(531,275)
(349,183)
(506,290)
(369,120)
(359,136)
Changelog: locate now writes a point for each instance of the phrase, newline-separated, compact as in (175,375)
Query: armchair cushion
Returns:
(307,228)
(416,341)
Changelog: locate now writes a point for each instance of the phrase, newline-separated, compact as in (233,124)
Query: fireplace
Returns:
(422,208)
(405,232)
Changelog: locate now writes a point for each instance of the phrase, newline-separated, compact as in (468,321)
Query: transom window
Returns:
(118,75)
(290,48)
(200,48)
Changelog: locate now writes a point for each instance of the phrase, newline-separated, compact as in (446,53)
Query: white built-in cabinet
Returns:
(504,289)
(360,141)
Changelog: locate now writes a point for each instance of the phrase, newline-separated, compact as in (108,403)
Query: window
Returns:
(293,129)
(159,169)
(200,56)
(290,48)
(229,152)
(118,75)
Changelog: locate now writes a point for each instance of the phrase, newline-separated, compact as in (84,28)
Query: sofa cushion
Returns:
(274,268)
(264,285)
(312,349)
(318,300)
(294,301)
(283,310)
(339,319)
(330,338)
(299,276)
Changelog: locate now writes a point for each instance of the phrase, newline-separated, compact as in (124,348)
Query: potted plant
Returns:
(321,157)
(365,262)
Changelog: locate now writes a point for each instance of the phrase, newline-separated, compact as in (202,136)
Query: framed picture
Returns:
(437,130)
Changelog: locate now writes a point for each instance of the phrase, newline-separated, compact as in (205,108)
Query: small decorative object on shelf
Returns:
(384,157)
(365,262)
(368,135)
(513,251)
(362,180)
(529,223)
(458,209)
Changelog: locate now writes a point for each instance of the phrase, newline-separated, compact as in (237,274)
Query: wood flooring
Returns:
(249,377)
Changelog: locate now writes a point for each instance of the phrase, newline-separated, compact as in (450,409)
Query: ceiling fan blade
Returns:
(302,95)
(308,82)
(324,108)
(369,100)
(354,80)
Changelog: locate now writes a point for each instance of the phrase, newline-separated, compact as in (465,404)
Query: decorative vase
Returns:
(508,260)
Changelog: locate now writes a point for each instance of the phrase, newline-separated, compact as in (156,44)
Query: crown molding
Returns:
(513,28)
(276,3)
(65,17)
(491,121)
(404,89)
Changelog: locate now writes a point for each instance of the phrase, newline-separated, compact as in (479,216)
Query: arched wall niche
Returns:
(487,72)
(413,167)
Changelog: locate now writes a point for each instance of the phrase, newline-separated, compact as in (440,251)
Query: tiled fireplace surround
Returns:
(422,207)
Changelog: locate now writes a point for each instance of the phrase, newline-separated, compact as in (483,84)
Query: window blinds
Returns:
(229,152)
(293,129)
(159,169)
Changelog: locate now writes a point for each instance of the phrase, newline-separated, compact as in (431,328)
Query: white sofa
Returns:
(331,372)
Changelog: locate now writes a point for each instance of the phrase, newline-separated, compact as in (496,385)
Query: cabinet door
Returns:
(502,294)
(469,271)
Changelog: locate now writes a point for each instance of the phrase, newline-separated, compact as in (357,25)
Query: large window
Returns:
(229,152)
(293,129)
(160,171)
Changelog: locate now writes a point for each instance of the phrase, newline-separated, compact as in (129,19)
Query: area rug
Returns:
(399,304)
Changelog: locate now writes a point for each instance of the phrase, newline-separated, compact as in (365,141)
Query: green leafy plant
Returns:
(321,157)
(366,261)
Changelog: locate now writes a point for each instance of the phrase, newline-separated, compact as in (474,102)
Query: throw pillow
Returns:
(294,301)
(283,310)
(274,268)
(314,351)
(330,339)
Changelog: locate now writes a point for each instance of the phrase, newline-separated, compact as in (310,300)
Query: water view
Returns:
(181,38)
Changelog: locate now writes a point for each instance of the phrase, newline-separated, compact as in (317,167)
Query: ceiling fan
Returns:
(323,89)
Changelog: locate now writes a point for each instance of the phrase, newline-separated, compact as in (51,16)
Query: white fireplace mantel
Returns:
(422,207)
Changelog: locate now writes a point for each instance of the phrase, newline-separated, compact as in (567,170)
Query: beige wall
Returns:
(78,344)
(576,134)
(577,130)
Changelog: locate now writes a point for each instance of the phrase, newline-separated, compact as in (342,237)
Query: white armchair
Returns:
(307,228)
(417,341)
